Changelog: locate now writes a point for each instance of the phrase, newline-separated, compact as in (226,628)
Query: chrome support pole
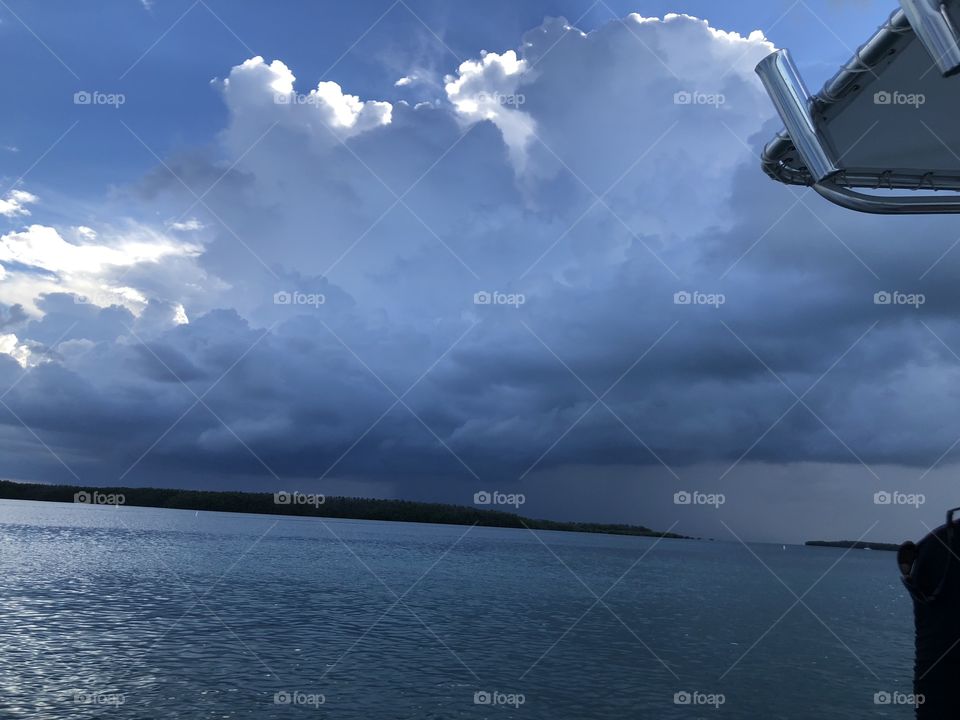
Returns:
(795,106)
(933,27)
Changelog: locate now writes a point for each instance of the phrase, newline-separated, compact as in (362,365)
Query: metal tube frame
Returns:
(933,27)
(794,104)
(887,204)
(928,21)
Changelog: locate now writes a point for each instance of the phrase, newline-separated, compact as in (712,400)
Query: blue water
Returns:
(142,613)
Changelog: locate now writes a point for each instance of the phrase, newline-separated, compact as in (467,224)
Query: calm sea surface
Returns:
(141,613)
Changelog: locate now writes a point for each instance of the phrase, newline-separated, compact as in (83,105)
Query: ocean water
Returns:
(142,613)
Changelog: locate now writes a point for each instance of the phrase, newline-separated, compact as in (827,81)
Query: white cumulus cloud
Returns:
(15,203)
(490,89)
(40,260)
(261,94)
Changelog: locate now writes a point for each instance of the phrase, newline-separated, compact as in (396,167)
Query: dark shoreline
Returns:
(331,507)
(855,544)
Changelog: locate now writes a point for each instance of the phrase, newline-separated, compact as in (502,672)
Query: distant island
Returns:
(855,544)
(307,505)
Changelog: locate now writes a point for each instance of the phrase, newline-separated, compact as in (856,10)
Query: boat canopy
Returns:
(883,135)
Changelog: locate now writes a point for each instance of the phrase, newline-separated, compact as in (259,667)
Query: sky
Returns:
(430,249)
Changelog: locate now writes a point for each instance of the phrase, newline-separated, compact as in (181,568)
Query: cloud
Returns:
(14,203)
(11,315)
(39,260)
(489,89)
(258,93)
(43,248)
(10,345)
(190,225)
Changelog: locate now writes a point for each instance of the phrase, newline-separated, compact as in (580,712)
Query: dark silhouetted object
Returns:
(930,570)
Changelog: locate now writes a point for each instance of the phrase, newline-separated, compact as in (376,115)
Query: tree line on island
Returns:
(855,544)
(305,505)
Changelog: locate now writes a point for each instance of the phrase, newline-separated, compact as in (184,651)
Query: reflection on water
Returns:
(142,613)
